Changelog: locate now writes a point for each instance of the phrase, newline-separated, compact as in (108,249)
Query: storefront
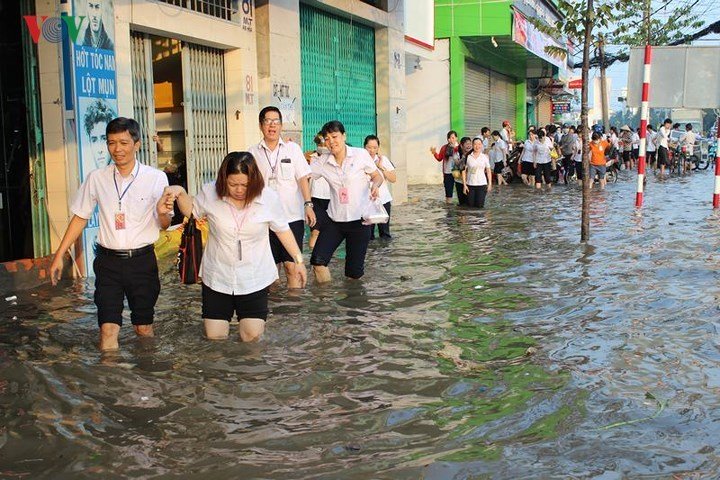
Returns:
(490,98)
(338,74)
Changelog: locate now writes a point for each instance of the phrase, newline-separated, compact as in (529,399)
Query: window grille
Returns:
(224,9)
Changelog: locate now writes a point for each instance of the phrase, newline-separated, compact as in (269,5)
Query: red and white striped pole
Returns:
(644,115)
(716,194)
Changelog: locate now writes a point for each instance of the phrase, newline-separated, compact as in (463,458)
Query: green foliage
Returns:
(629,27)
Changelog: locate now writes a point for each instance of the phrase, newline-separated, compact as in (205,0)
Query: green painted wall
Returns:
(467,18)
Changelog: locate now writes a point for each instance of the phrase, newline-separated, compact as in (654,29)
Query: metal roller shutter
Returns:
(338,75)
(477,99)
(143,100)
(204,111)
(503,100)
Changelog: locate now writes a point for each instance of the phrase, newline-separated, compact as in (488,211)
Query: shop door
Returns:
(502,100)
(338,75)
(143,96)
(204,112)
(477,99)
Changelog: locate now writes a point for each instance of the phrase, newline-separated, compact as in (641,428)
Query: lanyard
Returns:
(273,168)
(343,176)
(233,211)
(117,190)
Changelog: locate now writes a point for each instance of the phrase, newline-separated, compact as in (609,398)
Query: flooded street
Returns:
(485,344)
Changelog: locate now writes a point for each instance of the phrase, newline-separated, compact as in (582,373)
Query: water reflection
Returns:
(480,344)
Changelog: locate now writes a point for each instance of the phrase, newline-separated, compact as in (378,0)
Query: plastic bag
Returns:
(190,253)
(375,213)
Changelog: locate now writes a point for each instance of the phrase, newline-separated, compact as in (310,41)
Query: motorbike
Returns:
(511,172)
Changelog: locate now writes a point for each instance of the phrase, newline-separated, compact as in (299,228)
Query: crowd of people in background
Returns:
(549,155)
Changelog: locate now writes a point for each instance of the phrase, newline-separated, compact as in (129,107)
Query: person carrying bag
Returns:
(190,253)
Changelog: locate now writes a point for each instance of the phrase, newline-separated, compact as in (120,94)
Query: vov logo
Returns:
(51,27)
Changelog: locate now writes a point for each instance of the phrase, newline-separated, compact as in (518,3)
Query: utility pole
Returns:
(644,112)
(603,86)
(585,221)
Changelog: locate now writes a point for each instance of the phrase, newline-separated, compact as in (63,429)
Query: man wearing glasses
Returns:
(286,171)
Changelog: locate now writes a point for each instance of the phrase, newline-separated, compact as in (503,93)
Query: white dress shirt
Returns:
(475,169)
(286,164)
(650,141)
(319,187)
(664,136)
(528,151)
(385,195)
(542,150)
(352,176)
(231,230)
(688,139)
(143,188)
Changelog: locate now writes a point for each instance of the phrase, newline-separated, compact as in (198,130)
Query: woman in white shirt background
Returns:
(527,163)
(498,156)
(319,191)
(542,159)
(346,170)
(237,266)
(477,176)
(387,169)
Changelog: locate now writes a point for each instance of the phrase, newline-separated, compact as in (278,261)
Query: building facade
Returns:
(195,75)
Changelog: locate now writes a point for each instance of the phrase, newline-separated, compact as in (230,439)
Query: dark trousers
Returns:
(383,228)
(448,182)
(356,236)
(462,198)
(133,278)
(476,196)
(569,166)
(543,170)
(279,253)
(320,206)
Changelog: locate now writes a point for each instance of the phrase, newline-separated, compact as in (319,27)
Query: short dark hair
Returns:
(267,109)
(319,139)
(595,136)
(451,132)
(572,128)
(99,111)
(541,133)
(495,133)
(667,120)
(465,139)
(369,138)
(688,126)
(483,130)
(333,126)
(240,162)
(650,127)
(123,124)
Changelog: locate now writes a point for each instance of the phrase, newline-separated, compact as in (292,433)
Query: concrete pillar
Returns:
(390,96)
(278,63)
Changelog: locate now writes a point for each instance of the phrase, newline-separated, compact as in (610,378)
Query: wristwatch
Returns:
(299,260)
(309,204)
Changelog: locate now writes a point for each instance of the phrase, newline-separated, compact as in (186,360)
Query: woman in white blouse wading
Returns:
(387,169)
(477,176)
(346,170)
(237,266)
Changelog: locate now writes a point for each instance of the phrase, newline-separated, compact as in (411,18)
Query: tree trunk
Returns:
(585,224)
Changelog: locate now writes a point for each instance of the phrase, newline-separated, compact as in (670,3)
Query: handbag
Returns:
(375,213)
(190,253)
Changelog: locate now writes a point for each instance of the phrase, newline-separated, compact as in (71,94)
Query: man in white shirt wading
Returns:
(663,156)
(133,207)
(286,171)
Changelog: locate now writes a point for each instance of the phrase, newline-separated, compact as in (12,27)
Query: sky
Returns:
(708,10)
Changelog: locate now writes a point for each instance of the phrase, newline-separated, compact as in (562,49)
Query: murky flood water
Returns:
(479,345)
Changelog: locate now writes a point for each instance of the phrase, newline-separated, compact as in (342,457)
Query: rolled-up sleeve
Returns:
(86,198)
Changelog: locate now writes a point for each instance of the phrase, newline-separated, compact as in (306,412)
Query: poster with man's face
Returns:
(96,114)
(98,28)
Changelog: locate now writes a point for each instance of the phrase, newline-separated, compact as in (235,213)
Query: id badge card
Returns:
(273,183)
(344,196)
(119,221)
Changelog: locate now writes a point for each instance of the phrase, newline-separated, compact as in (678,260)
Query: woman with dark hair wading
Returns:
(238,267)
(346,170)
(477,176)
(387,169)
(543,160)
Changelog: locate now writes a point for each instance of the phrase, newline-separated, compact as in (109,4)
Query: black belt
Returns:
(135,252)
